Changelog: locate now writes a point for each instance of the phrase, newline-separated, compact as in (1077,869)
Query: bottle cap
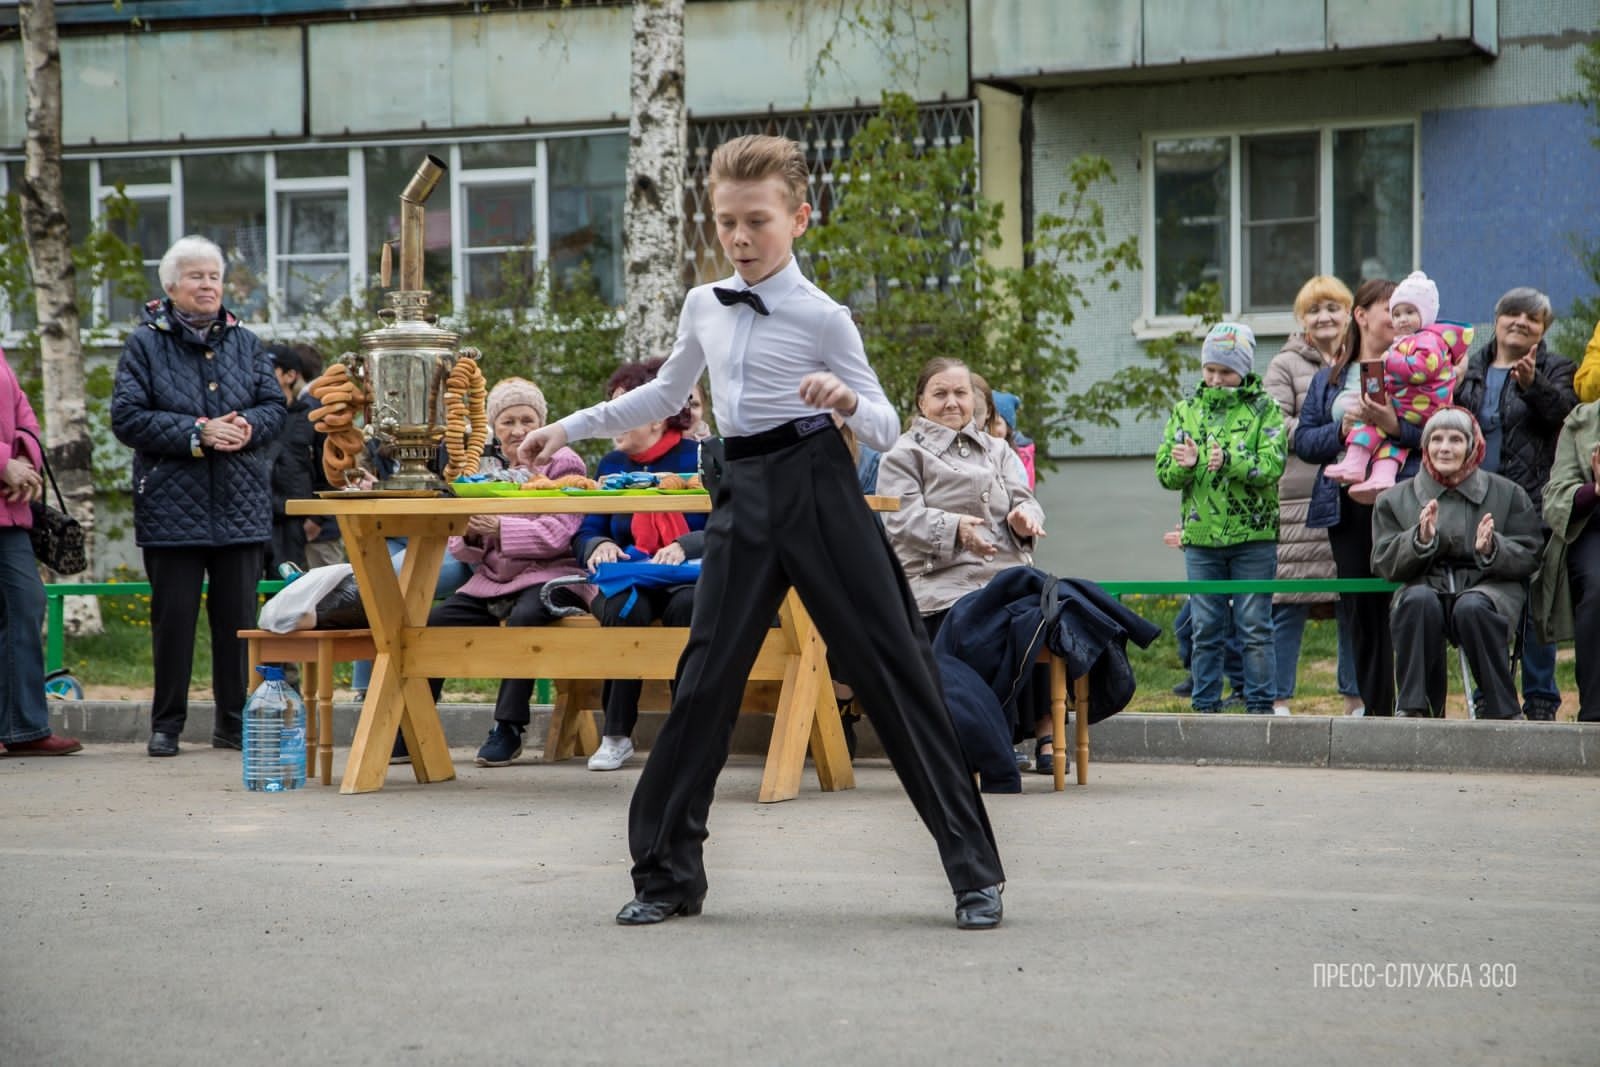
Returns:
(270,672)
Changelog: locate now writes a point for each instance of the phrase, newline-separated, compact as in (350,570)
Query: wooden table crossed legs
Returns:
(409,652)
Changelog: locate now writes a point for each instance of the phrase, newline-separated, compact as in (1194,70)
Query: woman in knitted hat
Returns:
(513,556)
(660,447)
(1463,541)
(1417,376)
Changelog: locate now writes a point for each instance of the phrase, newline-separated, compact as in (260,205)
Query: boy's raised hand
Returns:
(825,390)
(1214,462)
(540,445)
(1186,453)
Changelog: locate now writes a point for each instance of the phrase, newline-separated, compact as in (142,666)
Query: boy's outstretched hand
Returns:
(540,445)
(824,390)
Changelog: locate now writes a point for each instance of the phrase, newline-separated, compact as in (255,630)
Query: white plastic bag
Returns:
(300,596)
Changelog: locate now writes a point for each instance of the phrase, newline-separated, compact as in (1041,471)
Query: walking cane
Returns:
(1461,653)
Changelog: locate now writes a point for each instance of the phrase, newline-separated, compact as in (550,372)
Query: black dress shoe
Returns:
(642,912)
(979,909)
(162,744)
(217,741)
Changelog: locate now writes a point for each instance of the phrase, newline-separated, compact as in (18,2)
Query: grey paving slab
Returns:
(156,913)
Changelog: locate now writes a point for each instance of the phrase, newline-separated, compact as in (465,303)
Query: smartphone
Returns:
(1372,378)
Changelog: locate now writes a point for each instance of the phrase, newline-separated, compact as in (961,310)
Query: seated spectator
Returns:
(966,514)
(514,556)
(1568,596)
(1005,406)
(666,537)
(1464,543)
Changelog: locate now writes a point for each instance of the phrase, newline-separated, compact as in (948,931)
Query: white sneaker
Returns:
(1280,709)
(612,754)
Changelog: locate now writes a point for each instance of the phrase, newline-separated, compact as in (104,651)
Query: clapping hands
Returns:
(1428,523)
(969,535)
(1024,524)
(1484,541)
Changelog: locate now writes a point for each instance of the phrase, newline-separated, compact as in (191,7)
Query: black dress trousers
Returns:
(796,517)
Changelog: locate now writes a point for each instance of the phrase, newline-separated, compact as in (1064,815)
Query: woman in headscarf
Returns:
(1464,542)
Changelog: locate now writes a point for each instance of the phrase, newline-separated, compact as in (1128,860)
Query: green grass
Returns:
(120,658)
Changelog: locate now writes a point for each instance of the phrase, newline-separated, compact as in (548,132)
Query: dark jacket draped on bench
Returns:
(990,639)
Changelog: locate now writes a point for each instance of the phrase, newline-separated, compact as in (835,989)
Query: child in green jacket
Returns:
(1224,450)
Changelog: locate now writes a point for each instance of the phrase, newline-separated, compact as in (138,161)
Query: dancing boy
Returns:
(788,512)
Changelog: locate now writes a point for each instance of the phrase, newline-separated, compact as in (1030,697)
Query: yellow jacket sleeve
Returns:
(1587,380)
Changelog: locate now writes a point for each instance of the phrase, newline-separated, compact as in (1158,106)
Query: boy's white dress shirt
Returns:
(756,363)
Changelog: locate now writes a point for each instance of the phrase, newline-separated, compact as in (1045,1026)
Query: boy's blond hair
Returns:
(755,157)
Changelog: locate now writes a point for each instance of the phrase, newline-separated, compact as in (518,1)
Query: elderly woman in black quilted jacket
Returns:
(196,400)
(1521,392)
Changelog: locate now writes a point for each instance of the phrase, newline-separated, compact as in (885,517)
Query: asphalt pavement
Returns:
(157,913)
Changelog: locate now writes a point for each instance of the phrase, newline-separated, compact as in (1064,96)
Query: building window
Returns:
(497,229)
(313,246)
(152,187)
(1257,214)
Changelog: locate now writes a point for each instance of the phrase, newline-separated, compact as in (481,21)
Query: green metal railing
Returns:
(55,616)
(55,593)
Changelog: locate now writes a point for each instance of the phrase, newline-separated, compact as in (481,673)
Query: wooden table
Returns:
(409,652)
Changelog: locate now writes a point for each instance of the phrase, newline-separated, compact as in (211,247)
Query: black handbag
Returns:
(57,537)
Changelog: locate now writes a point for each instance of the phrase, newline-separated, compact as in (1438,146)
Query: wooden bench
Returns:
(572,730)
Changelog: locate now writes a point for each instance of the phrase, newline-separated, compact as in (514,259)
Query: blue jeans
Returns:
(1288,630)
(1538,667)
(453,574)
(1252,621)
(1233,658)
(23,713)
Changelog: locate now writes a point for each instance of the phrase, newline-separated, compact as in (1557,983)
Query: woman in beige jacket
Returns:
(1322,308)
(966,513)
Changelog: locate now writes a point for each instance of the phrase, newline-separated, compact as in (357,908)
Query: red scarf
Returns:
(654,530)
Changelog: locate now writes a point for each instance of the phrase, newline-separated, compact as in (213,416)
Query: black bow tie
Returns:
(730,297)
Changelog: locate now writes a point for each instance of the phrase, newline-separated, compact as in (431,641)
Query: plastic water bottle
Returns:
(274,735)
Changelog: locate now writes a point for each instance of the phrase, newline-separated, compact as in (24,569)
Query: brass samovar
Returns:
(404,364)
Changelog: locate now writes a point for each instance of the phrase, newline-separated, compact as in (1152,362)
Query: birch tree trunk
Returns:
(652,220)
(55,286)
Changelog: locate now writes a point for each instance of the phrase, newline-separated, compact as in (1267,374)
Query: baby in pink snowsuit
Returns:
(1419,378)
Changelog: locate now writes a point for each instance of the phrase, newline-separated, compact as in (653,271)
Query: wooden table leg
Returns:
(1058,719)
(572,731)
(807,715)
(394,701)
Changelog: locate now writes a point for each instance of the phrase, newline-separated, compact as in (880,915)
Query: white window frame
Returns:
(1150,326)
(352,183)
(535,177)
(171,191)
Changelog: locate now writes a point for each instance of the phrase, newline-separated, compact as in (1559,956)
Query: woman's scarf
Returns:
(654,530)
(197,329)
(1475,453)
